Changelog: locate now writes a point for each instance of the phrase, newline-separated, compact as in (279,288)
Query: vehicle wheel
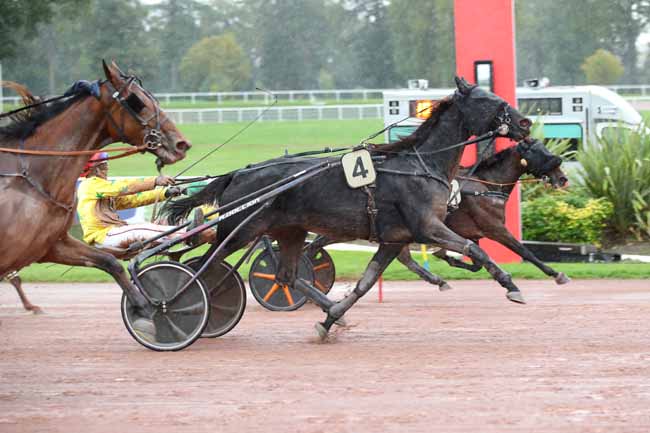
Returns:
(324,270)
(227,302)
(269,294)
(178,318)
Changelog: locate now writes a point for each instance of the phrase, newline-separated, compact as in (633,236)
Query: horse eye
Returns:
(135,103)
(525,123)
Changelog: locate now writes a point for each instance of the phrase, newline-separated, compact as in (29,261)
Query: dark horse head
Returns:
(484,111)
(137,118)
(538,161)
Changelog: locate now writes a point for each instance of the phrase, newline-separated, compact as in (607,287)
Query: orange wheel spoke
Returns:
(321,266)
(269,277)
(287,293)
(270,293)
(320,286)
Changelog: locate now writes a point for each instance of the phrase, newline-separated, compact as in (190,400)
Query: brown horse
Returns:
(45,149)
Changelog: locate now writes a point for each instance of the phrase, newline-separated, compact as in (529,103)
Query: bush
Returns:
(602,67)
(617,168)
(565,217)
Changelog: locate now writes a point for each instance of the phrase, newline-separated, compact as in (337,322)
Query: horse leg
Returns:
(440,235)
(70,251)
(454,262)
(504,237)
(407,260)
(15,281)
(380,261)
(291,244)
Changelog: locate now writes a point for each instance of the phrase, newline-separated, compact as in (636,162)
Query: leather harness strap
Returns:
(493,194)
(371,208)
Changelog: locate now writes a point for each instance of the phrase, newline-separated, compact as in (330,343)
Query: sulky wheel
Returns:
(178,317)
(227,302)
(324,270)
(268,293)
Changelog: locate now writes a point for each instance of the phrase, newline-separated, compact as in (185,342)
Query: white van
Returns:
(579,113)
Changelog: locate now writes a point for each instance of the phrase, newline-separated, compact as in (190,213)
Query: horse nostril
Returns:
(182,146)
(564,181)
(525,123)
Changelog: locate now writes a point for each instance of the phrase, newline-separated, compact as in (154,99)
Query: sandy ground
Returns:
(575,359)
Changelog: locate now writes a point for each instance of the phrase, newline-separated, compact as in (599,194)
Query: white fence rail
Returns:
(298,113)
(261,97)
(631,89)
(282,95)
(638,95)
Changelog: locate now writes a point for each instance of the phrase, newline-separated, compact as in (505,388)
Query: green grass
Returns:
(645,114)
(263,140)
(351,264)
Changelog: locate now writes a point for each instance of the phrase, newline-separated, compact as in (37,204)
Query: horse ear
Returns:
(107,70)
(113,73)
(463,86)
(117,68)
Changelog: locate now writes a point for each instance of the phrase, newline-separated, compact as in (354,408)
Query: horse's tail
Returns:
(23,91)
(178,210)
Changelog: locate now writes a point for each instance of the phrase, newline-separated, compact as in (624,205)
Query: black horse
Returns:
(482,210)
(407,204)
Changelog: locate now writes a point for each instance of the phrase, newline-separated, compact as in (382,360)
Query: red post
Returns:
(485,32)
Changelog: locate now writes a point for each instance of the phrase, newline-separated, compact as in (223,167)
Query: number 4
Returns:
(359,169)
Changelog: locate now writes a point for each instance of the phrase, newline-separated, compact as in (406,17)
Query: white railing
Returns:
(299,113)
(265,97)
(630,91)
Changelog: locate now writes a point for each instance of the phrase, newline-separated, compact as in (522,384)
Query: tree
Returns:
(553,35)
(371,45)
(290,49)
(602,67)
(53,57)
(176,30)
(626,20)
(19,20)
(116,30)
(422,34)
(216,63)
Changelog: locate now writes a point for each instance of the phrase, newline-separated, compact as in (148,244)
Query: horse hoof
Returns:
(36,310)
(341,322)
(444,287)
(145,329)
(322,332)
(561,278)
(516,296)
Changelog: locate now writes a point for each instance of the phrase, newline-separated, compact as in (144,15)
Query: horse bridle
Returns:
(133,105)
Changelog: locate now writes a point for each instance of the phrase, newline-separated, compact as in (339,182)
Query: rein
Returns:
(128,150)
(36,104)
(486,182)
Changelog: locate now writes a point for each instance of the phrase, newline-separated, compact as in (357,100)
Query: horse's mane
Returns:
(23,124)
(423,131)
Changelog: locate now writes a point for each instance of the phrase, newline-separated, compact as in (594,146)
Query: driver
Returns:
(100,198)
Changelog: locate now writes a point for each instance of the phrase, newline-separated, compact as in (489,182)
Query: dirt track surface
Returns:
(575,359)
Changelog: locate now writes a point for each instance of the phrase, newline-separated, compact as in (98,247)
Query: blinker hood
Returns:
(539,160)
